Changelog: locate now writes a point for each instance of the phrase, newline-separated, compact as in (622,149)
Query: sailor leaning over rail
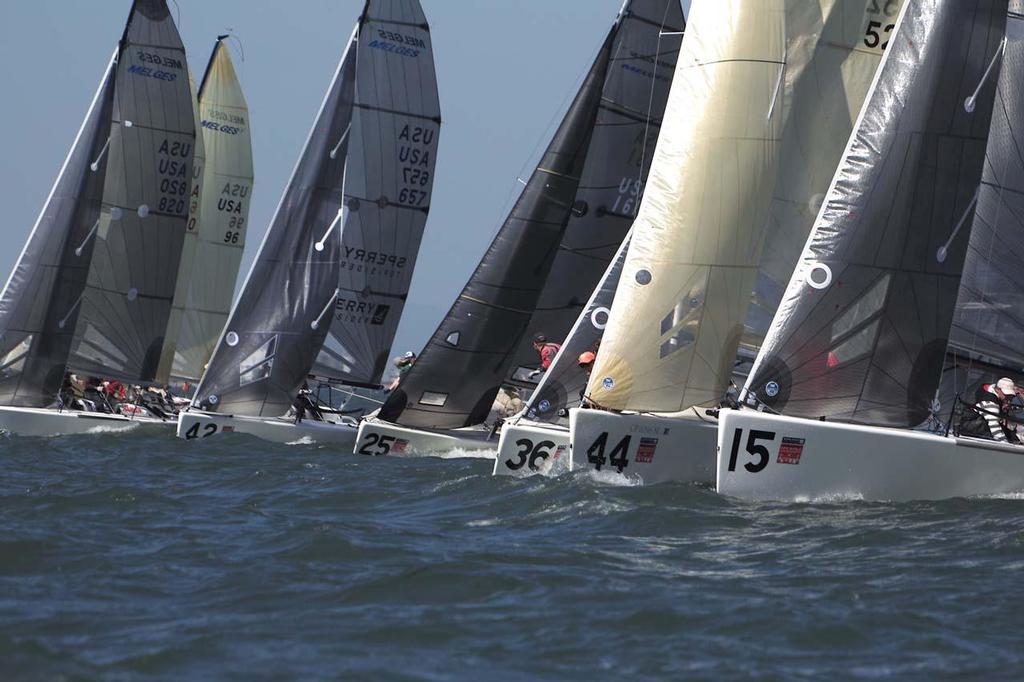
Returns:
(996,402)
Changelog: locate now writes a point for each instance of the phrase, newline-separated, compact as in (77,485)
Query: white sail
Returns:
(763,101)
(223,217)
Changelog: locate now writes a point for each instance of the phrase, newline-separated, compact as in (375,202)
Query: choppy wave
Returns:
(138,555)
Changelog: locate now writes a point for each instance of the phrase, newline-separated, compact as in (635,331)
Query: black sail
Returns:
(561,233)
(325,293)
(564,381)
(136,246)
(989,320)
(35,333)
(862,329)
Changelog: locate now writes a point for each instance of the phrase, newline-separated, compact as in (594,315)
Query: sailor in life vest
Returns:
(547,352)
(995,402)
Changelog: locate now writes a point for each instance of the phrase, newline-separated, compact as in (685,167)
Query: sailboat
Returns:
(323,299)
(763,101)
(549,253)
(845,396)
(537,439)
(218,220)
(91,291)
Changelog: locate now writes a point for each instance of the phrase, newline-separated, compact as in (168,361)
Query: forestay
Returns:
(565,380)
(561,233)
(862,329)
(330,280)
(223,219)
(136,247)
(989,319)
(35,329)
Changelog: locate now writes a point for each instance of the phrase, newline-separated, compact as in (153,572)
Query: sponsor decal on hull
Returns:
(790,450)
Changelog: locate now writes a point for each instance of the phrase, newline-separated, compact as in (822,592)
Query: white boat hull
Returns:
(527,448)
(32,421)
(195,424)
(647,449)
(384,438)
(771,457)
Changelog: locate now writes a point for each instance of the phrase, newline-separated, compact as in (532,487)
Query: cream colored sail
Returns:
(188,248)
(760,89)
(223,216)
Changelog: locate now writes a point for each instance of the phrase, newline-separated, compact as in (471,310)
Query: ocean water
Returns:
(137,556)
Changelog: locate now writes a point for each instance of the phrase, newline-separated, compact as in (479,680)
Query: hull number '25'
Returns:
(753,448)
(377,444)
(529,453)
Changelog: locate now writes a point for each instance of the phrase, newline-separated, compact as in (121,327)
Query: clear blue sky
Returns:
(505,69)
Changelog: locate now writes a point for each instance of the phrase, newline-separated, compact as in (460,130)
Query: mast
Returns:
(552,248)
(325,293)
(862,330)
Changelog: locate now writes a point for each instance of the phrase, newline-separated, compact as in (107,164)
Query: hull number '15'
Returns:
(753,448)
(617,456)
(529,453)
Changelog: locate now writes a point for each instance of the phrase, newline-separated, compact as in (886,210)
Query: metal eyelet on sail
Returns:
(319,246)
(940,254)
(970,101)
(315,324)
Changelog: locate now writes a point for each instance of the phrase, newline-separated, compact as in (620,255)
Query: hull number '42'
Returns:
(754,449)
(529,453)
(193,431)
(616,457)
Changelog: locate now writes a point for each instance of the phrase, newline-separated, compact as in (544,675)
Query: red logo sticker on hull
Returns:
(645,451)
(558,453)
(790,450)
(228,429)
(399,446)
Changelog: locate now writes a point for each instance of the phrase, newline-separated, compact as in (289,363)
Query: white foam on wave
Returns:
(612,478)
(460,453)
(305,440)
(830,498)
(107,428)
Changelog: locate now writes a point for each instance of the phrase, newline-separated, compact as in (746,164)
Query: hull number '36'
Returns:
(755,449)
(529,453)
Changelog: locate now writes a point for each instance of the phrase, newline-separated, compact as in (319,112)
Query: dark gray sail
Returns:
(989,320)
(560,235)
(35,333)
(137,244)
(564,382)
(324,295)
(619,157)
(862,330)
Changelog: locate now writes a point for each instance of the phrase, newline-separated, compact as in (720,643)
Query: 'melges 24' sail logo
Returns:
(360,312)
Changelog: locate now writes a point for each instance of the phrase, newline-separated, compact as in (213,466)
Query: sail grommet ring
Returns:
(143,211)
(599,318)
(825,280)
(231,338)
(643,277)
(132,294)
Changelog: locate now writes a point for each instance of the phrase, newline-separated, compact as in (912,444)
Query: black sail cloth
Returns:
(325,293)
(989,320)
(862,329)
(561,233)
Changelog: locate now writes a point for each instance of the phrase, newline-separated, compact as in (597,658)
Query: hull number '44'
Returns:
(529,453)
(616,457)
(756,450)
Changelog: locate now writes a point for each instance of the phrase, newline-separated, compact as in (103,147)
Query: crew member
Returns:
(303,402)
(586,363)
(547,352)
(996,402)
(404,363)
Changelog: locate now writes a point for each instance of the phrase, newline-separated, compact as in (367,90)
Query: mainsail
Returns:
(762,100)
(862,330)
(564,380)
(560,235)
(219,229)
(329,283)
(35,335)
(137,242)
(989,321)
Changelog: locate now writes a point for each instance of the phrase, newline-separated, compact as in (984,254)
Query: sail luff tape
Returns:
(940,255)
(315,324)
(334,152)
(319,246)
(970,101)
(78,251)
(60,325)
